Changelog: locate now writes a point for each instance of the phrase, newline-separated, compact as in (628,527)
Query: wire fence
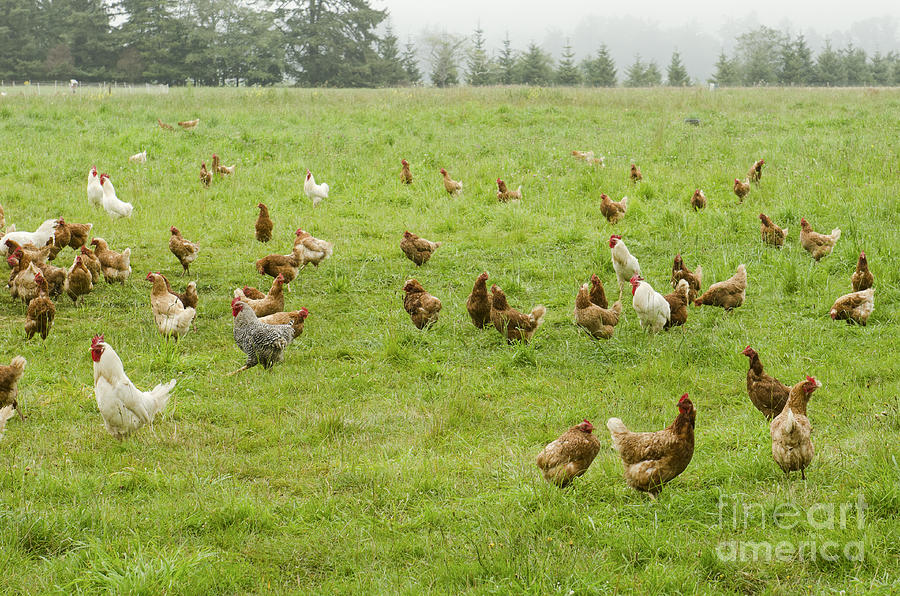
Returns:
(75,87)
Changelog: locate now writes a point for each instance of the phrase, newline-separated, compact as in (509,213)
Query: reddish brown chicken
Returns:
(423,308)
(766,392)
(478,304)
(770,232)
(862,278)
(654,458)
(613,211)
(264,224)
(569,456)
(511,323)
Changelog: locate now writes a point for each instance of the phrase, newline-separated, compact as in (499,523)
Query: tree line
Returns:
(345,43)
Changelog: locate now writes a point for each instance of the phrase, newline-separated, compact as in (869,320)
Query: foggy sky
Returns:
(698,29)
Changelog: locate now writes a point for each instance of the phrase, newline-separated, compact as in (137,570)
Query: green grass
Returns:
(379,458)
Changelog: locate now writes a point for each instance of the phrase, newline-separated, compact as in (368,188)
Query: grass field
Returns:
(379,458)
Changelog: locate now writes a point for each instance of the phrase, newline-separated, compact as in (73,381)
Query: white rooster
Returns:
(39,238)
(625,264)
(651,307)
(123,407)
(114,207)
(94,189)
(314,191)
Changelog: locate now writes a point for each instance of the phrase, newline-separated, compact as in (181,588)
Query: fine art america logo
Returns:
(829,519)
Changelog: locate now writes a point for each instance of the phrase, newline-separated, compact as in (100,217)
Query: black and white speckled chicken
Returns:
(264,344)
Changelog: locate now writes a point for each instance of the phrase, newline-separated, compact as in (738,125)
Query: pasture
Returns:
(379,458)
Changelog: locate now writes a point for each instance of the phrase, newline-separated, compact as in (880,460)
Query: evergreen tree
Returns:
(636,76)
(856,66)
(389,71)
(601,70)
(567,72)
(677,75)
(506,63)
(478,67)
(652,75)
(830,67)
(534,66)
(411,63)
(727,72)
(444,58)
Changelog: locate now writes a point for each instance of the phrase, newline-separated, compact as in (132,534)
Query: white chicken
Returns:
(114,207)
(314,191)
(139,157)
(39,238)
(123,407)
(651,307)
(625,264)
(94,189)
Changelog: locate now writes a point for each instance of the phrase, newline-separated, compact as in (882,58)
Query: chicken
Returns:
(294,318)
(478,304)
(678,301)
(79,281)
(271,303)
(597,294)
(855,307)
(728,294)
(508,321)
(862,278)
(587,156)
(311,249)
(6,412)
(611,210)
(41,311)
(219,169)
(123,407)
(452,187)
(39,238)
(770,232)
(139,157)
(264,344)
(163,125)
(24,285)
(189,124)
(598,321)
(636,175)
(405,174)
(741,189)
(694,278)
(286,266)
(94,189)
(205,175)
(504,195)
(652,459)
(423,308)
(698,200)
(651,307)
(314,191)
(817,245)
(184,250)
(570,455)
(264,224)
(625,265)
(171,316)
(792,448)
(755,172)
(190,298)
(9,382)
(114,266)
(418,250)
(766,392)
(77,233)
(111,203)
(92,263)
